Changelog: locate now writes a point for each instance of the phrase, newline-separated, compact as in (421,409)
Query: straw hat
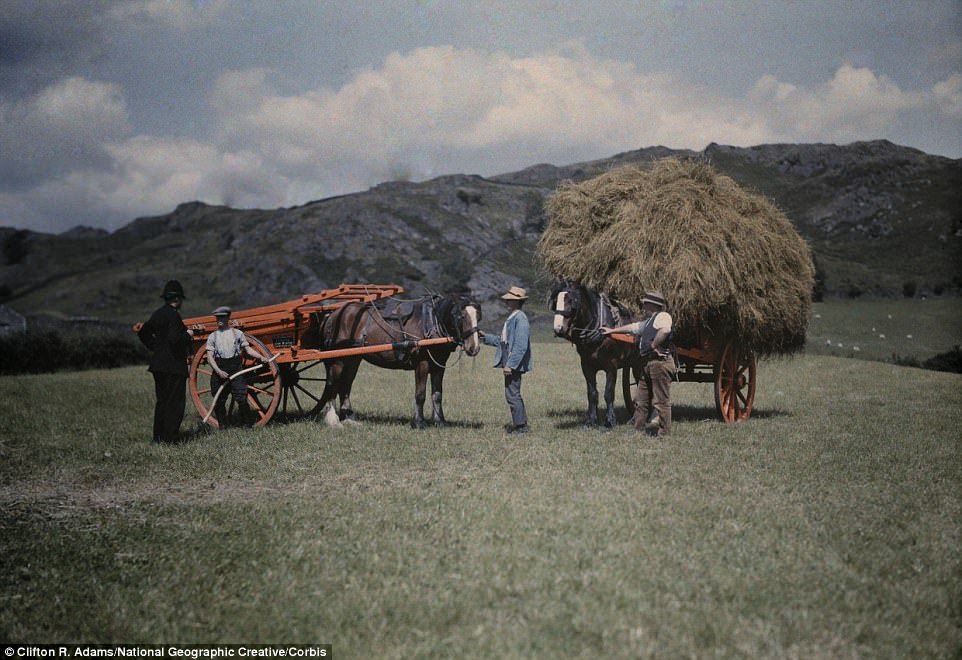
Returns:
(655,298)
(515,293)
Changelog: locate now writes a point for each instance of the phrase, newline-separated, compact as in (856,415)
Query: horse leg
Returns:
(592,419)
(327,406)
(348,375)
(437,389)
(420,393)
(611,378)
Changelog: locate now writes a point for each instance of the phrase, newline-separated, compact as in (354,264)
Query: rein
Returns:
(454,308)
(574,333)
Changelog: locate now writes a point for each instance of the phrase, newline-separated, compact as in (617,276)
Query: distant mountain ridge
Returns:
(877,215)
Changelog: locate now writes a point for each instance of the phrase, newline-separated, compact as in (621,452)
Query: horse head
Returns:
(565,302)
(459,316)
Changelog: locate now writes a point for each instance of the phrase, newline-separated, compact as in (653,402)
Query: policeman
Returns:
(166,335)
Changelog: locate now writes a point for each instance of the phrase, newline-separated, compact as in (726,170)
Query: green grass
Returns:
(877,329)
(828,525)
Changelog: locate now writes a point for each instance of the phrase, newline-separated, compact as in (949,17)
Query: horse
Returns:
(579,313)
(401,323)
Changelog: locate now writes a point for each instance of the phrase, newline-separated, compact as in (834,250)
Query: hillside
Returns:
(878,216)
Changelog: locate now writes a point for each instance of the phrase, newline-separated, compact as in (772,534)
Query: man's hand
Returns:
(508,371)
(223,374)
(605,330)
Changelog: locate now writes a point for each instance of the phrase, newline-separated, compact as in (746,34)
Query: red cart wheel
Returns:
(302,384)
(734,383)
(263,385)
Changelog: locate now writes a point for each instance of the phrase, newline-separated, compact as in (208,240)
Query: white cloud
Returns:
(855,104)
(442,109)
(422,113)
(948,96)
(62,127)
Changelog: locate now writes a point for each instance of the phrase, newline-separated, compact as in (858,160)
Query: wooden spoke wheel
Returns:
(263,386)
(302,384)
(734,383)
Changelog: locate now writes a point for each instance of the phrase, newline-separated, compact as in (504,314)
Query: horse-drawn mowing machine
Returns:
(287,335)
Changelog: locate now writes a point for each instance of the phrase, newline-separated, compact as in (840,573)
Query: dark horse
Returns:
(400,323)
(579,313)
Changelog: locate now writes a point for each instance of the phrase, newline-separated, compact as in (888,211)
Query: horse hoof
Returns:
(418,425)
(441,424)
(350,421)
(331,419)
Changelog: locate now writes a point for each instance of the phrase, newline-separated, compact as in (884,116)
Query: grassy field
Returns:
(828,525)
(877,329)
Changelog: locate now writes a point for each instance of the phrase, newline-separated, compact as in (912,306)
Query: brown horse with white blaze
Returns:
(401,323)
(579,313)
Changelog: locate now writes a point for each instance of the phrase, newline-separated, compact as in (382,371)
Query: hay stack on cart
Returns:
(728,262)
(737,276)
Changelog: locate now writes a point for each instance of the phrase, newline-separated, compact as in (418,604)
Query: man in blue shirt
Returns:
(513,356)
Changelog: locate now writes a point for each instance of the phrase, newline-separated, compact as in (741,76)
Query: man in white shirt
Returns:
(226,347)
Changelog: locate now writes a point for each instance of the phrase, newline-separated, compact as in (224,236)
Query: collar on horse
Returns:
(598,309)
(439,316)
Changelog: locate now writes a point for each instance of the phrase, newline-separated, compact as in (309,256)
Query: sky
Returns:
(114,110)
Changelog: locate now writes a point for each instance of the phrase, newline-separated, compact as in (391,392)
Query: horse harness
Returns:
(605,312)
(397,315)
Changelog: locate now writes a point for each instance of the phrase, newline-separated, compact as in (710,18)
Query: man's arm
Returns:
(631,328)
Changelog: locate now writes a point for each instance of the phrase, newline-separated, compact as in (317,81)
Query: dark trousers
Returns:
(169,409)
(238,391)
(512,394)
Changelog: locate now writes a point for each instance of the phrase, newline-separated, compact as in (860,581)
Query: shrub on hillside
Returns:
(45,351)
(950,361)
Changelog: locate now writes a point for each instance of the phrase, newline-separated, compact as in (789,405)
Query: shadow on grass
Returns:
(573,418)
(404,420)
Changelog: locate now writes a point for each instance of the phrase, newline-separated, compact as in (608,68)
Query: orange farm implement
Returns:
(723,362)
(287,335)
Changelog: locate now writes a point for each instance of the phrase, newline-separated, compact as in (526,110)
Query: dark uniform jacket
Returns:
(166,335)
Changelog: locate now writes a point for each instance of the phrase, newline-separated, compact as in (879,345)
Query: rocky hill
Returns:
(878,216)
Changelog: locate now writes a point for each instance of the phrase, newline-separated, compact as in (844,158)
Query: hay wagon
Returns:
(709,359)
(734,268)
(287,334)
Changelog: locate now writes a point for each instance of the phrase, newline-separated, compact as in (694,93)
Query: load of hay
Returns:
(728,262)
